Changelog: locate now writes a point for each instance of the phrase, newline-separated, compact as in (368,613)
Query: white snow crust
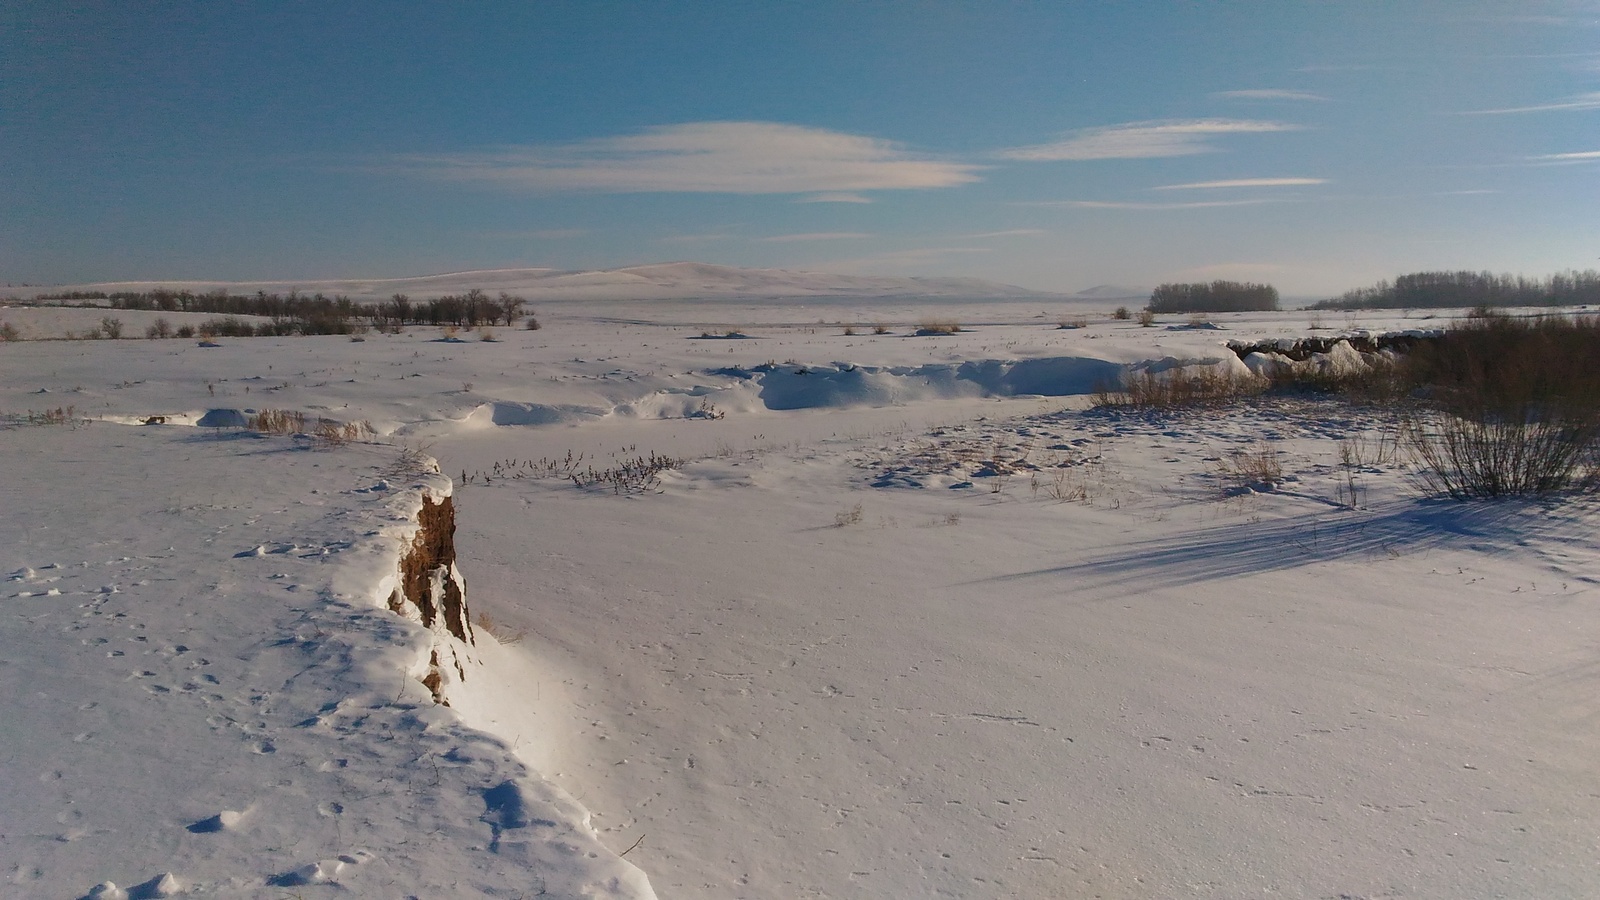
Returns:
(910,620)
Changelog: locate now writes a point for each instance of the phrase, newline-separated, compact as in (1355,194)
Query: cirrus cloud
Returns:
(1135,205)
(1241,183)
(815,236)
(1582,156)
(1143,140)
(1269,94)
(698,157)
(1577,103)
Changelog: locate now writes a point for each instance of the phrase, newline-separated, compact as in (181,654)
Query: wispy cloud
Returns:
(1341,67)
(1584,156)
(815,236)
(1135,205)
(1143,140)
(1241,183)
(1578,102)
(834,197)
(703,157)
(1010,232)
(695,238)
(545,234)
(1269,94)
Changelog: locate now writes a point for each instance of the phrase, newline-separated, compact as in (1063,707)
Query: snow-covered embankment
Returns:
(205,688)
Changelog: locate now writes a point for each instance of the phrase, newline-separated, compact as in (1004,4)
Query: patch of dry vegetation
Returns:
(1175,390)
(1516,407)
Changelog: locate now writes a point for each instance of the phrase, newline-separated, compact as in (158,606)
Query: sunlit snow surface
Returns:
(909,621)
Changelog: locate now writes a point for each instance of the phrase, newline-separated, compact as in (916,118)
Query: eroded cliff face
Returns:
(430,591)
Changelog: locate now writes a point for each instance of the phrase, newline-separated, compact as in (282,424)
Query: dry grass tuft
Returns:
(278,421)
(1149,390)
(932,328)
(851,516)
(1257,468)
(498,630)
(329,433)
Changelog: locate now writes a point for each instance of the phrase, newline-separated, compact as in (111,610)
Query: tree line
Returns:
(296,313)
(1215,296)
(1472,289)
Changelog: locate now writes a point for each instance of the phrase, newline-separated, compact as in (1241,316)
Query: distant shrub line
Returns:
(1493,406)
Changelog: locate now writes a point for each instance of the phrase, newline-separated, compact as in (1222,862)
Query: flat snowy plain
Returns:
(910,620)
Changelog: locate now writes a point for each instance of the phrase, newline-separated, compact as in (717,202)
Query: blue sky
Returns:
(1317,146)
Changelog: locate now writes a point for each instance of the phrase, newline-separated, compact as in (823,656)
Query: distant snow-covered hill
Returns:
(663,281)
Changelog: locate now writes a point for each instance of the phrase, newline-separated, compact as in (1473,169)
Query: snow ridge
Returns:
(246,715)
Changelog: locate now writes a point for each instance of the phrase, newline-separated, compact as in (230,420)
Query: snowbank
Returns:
(220,699)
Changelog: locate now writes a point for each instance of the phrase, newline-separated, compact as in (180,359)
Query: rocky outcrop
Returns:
(430,591)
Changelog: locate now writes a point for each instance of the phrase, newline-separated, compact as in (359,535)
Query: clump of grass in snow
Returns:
(329,433)
(278,421)
(498,630)
(926,329)
(1256,468)
(325,432)
(1171,390)
(851,516)
(638,475)
(61,415)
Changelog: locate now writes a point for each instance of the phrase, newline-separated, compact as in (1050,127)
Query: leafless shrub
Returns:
(112,327)
(1122,314)
(532,324)
(159,329)
(1517,406)
(880,329)
(9,332)
(1146,318)
(412,461)
(932,328)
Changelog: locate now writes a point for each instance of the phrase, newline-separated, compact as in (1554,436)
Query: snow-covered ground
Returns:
(909,620)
